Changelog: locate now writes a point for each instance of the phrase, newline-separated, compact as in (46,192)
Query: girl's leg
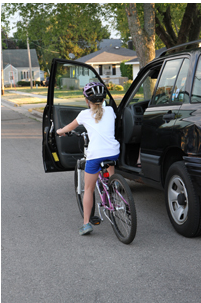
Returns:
(90,183)
(110,170)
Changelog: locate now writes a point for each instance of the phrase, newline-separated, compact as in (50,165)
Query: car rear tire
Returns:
(182,202)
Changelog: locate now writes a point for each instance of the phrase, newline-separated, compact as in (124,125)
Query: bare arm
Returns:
(69,127)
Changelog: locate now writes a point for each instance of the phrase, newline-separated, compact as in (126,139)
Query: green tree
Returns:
(59,29)
(176,23)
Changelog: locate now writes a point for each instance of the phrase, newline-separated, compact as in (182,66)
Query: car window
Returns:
(179,94)
(145,88)
(166,82)
(69,83)
(196,92)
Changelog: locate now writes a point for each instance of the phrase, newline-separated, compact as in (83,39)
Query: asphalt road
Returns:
(44,260)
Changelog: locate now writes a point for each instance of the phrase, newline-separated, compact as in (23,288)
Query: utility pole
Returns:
(2,75)
(29,56)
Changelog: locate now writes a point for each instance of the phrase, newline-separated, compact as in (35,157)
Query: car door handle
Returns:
(169,116)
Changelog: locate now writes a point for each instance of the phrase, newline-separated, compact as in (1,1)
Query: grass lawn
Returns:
(58,93)
(73,97)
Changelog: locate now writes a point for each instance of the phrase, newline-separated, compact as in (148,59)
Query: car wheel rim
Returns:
(178,200)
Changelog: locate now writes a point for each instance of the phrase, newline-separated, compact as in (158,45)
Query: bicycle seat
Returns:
(107,163)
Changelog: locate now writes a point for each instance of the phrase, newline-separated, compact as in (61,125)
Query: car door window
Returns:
(179,94)
(166,82)
(196,92)
(69,82)
(145,88)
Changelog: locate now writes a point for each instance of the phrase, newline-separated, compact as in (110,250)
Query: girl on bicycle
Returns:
(99,122)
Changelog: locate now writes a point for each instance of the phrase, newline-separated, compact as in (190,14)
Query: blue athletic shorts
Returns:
(93,166)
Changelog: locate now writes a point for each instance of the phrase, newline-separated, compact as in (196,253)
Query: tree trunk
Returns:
(195,29)
(186,23)
(143,37)
(189,29)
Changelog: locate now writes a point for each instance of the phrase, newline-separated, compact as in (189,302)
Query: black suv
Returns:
(159,116)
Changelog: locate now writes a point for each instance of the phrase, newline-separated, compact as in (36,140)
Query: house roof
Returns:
(136,60)
(19,58)
(108,55)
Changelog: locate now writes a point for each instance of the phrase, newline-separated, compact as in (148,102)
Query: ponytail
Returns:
(97,111)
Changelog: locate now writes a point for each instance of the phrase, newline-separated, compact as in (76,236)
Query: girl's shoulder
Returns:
(109,109)
(85,111)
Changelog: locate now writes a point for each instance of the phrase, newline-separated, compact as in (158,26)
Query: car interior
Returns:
(132,119)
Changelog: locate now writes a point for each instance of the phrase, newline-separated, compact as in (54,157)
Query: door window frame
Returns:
(55,61)
(160,75)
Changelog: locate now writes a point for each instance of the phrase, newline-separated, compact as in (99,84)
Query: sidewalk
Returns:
(28,104)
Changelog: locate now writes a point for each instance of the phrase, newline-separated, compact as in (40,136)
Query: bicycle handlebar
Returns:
(83,134)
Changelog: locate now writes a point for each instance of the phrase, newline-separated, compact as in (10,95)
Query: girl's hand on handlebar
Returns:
(60,132)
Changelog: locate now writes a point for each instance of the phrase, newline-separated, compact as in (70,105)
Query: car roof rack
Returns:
(178,46)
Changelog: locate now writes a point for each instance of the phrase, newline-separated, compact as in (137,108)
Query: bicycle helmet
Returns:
(94,92)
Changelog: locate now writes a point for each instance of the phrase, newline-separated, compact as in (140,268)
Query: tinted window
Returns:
(166,83)
(196,93)
(179,94)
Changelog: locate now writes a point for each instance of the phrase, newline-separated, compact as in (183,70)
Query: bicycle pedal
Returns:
(95,220)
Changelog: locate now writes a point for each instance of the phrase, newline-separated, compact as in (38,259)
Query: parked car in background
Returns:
(159,116)
(45,82)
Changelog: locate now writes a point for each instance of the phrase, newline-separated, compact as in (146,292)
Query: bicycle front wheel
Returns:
(79,197)
(123,217)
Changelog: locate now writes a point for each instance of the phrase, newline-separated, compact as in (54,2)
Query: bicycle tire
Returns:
(124,217)
(79,197)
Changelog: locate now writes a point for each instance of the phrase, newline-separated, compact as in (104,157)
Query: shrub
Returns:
(110,86)
(119,87)
(127,84)
(126,70)
(27,83)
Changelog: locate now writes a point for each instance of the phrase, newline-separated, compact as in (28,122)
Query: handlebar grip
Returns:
(67,134)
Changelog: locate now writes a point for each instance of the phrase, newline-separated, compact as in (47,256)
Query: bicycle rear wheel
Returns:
(79,197)
(124,216)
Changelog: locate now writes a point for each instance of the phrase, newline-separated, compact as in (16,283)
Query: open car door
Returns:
(64,102)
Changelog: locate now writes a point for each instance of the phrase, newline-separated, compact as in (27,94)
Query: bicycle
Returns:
(116,198)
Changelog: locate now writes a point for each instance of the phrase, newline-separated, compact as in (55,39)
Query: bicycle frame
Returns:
(105,196)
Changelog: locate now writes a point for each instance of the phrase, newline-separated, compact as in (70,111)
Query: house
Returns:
(16,66)
(106,62)
(136,64)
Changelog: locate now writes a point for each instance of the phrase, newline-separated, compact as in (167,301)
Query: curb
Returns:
(20,109)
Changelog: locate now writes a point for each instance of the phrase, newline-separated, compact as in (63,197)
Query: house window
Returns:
(25,75)
(100,70)
(11,76)
(86,72)
(113,69)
